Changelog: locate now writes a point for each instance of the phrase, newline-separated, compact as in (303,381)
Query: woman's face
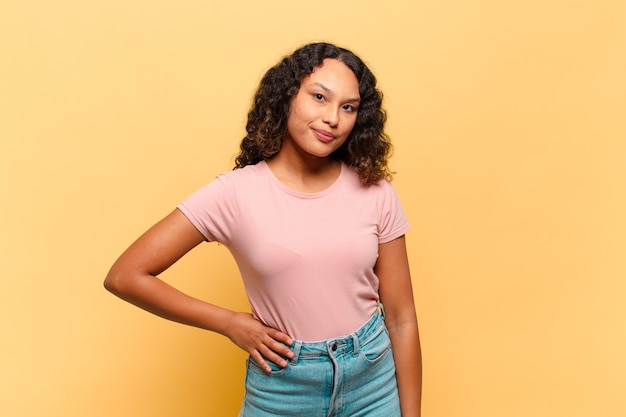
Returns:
(323,112)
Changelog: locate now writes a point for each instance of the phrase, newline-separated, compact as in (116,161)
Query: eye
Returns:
(318,97)
(349,108)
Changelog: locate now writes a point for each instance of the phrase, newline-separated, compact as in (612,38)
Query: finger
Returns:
(272,356)
(280,349)
(256,356)
(280,336)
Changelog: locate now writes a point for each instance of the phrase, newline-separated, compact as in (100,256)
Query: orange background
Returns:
(508,120)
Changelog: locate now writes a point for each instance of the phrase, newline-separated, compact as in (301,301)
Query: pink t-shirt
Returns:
(306,259)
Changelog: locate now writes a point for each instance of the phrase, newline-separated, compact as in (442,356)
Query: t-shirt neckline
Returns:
(303,194)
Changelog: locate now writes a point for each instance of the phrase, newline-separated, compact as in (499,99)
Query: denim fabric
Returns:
(351,376)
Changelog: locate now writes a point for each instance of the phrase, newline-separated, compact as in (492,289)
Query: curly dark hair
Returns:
(367,148)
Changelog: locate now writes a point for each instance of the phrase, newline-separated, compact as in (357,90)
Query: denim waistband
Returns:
(342,344)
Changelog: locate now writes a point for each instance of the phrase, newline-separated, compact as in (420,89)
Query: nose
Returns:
(331,116)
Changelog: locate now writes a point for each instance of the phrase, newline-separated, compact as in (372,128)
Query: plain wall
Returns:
(508,120)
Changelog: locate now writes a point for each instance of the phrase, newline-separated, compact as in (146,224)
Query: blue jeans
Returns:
(351,376)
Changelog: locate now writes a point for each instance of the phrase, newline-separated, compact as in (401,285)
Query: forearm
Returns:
(156,296)
(150,293)
(408,360)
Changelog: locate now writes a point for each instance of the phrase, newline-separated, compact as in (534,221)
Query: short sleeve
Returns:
(212,209)
(393,222)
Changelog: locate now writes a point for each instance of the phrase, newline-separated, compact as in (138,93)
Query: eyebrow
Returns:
(328,90)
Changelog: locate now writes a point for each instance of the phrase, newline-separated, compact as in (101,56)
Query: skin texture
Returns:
(396,294)
(322,115)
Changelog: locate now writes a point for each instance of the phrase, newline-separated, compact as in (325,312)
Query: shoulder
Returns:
(245,172)
(382,194)
(227,185)
(239,178)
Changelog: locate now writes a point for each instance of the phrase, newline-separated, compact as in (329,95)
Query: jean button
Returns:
(334,346)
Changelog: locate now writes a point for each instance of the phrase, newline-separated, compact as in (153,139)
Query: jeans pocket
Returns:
(255,367)
(376,348)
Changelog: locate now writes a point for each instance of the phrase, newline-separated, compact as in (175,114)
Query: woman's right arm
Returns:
(134,278)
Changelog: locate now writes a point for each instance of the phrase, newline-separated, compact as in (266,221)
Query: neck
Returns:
(299,162)
(305,173)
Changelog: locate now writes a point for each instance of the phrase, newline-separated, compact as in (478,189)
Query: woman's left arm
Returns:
(396,295)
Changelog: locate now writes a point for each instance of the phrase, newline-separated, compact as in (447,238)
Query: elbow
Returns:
(124,282)
(109,284)
(114,283)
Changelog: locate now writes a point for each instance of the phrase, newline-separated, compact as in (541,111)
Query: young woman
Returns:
(317,232)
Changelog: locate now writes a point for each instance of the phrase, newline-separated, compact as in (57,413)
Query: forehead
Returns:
(335,76)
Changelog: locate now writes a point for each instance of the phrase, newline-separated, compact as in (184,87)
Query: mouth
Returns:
(323,135)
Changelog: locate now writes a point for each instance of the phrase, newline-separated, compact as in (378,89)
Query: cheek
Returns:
(350,125)
(296,123)
(302,112)
(300,118)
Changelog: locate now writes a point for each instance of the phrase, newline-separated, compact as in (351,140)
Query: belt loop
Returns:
(381,310)
(296,352)
(355,343)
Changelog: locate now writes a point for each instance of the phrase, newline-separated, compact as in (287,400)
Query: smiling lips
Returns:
(323,135)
